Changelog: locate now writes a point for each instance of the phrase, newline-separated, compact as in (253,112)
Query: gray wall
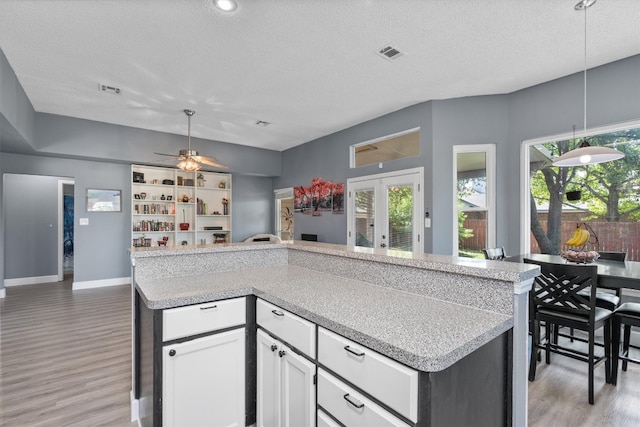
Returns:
(328,158)
(31,219)
(252,207)
(464,121)
(505,120)
(100,247)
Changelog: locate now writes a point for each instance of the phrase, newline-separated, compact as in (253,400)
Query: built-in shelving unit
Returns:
(173,207)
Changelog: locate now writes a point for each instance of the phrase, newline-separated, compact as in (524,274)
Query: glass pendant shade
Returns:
(587,155)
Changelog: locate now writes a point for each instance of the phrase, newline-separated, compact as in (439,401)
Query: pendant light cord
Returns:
(585,69)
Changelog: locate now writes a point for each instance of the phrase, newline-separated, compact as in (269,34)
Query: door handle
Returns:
(274,347)
(282,353)
(277,313)
(383,245)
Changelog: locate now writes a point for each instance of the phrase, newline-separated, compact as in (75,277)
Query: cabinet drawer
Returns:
(293,329)
(197,319)
(350,407)
(392,383)
(325,421)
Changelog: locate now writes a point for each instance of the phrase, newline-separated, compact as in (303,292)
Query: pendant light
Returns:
(586,154)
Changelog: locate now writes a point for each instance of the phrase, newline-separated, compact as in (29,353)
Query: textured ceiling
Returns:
(309,67)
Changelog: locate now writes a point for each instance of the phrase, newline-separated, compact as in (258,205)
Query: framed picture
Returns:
(99,200)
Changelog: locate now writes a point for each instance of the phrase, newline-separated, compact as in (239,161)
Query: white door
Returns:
(298,390)
(268,381)
(385,211)
(204,381)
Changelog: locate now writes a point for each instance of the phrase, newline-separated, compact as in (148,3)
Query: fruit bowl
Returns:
(580,257)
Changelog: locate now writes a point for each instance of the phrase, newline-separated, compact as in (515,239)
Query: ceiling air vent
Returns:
(390,53)
(110,89)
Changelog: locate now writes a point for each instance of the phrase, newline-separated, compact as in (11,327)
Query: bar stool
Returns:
(628,314)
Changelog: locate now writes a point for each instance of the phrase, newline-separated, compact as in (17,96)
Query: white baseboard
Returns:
(3,293)
(135,413)
(89,284)
(30,280)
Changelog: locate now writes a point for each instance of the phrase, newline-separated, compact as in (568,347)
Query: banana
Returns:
(584,237)
(579,238)
(576,235)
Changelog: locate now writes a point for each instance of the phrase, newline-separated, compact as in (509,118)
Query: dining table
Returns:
(611,274)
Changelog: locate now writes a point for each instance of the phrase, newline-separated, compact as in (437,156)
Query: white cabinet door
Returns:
(204,381)
(268,381)
(298,391)
(285,388)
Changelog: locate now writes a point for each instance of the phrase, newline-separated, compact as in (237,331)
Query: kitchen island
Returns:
(459,324)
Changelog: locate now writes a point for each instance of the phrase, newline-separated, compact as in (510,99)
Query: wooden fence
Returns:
(611,236)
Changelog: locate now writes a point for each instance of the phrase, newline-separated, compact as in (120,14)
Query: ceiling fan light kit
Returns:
(586,154)
(190,160)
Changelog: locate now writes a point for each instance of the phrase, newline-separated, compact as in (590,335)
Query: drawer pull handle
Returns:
(208,308)
(355,403)
(354,352)
(277,313)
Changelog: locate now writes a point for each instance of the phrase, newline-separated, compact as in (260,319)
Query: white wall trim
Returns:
(3,293)
(30,280)
(90,284)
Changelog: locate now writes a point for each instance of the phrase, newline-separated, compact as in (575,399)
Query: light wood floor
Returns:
(559,397)
(65,356)
(65,360)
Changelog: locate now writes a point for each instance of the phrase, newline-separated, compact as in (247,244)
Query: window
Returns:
(602,198)
(392,147)
(474,184)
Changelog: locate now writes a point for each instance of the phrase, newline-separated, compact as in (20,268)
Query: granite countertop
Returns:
(499,270)
(424,333)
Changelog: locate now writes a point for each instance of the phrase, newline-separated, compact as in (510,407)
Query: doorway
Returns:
(65,229)
(385,211)
(284,214)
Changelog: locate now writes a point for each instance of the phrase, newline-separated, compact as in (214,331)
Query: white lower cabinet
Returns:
(349,406)
(285,385)
(326,421)
(204,381)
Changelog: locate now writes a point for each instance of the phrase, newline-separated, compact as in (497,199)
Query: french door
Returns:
(385,211)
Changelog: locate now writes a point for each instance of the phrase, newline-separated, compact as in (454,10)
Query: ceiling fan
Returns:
(190,160)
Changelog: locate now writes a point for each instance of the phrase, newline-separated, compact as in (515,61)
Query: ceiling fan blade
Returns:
(210,162)
(170,155)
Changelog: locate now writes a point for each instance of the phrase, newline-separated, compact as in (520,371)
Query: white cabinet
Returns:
(293,329)
(285,385)
(173,207)
(199,318)
(204,381)
(385,379)
(350,407)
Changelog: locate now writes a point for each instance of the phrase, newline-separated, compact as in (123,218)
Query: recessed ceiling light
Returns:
(262,123)
(225,5)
